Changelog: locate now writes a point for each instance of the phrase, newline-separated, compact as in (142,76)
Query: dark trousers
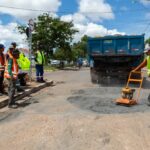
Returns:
(11,91)
(39,72)
(1,81)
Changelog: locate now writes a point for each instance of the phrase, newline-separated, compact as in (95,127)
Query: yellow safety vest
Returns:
(148,65)
(24,62)
(40,59)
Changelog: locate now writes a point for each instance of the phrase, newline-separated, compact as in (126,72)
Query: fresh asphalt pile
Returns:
(101,99)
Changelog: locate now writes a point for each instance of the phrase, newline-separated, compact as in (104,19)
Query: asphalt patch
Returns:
(102,100)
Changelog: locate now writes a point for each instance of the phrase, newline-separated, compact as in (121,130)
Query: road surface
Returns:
(76,115)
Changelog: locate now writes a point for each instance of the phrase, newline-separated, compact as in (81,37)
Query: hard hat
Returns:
(2,46)
(147,50)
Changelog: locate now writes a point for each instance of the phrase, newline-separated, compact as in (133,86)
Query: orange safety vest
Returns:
(2,62)
(14,68)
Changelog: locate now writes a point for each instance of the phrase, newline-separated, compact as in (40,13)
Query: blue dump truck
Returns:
(114,56)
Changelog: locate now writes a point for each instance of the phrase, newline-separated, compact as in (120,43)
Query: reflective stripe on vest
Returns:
(40,58)
(14,70)
(148,65)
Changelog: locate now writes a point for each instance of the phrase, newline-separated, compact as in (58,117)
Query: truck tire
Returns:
(94,76)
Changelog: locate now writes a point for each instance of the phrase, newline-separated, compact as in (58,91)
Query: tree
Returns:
(64,53)
(51,33)
(148,41)
(80,48)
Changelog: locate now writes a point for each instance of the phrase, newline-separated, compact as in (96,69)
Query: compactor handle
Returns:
(136,80)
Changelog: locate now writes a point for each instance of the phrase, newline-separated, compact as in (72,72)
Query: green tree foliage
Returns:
(79,49)
(148,41)
(51,33)
(64,53)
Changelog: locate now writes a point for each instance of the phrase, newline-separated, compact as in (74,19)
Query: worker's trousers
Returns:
(39,72)
(11,91)
(1,81)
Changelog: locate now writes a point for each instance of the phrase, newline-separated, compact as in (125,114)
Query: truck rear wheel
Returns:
(94,76)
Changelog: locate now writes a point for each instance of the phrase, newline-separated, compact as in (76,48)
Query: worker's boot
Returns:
(14,106)
(37,79)
(19,89)
(42,80)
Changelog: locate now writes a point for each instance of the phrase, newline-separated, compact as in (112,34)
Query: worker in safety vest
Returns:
(18,87)
(24,66)
(40,61)
(145,63)
(23,62)
(11,73)
(2,68)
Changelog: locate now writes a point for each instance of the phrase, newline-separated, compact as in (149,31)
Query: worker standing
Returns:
(40,61)
(80,62)
(2,65)
(11,73)
(145,63)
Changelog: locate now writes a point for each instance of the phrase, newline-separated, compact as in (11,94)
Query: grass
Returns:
(50,68)
(47,68)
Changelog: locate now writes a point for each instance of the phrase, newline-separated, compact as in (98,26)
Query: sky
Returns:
(90,17)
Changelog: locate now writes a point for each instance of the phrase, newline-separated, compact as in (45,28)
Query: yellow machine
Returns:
(128,93)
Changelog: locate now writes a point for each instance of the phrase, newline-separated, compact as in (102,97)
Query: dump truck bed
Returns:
(116,45)
(114,55)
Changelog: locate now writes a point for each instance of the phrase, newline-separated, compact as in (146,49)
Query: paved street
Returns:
(74,114)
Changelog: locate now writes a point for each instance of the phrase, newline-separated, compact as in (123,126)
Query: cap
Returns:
(14,43)
(2,46)
(147,50)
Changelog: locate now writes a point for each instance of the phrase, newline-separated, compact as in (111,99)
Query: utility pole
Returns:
(31,28)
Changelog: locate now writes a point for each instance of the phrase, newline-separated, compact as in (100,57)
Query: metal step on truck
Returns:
(114,56)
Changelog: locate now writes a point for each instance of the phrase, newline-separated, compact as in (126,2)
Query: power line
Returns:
(63,12)
(148,25)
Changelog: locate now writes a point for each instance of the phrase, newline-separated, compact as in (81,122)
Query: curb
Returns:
(27,92)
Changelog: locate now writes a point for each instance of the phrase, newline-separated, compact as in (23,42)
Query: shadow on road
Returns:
(26,101)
